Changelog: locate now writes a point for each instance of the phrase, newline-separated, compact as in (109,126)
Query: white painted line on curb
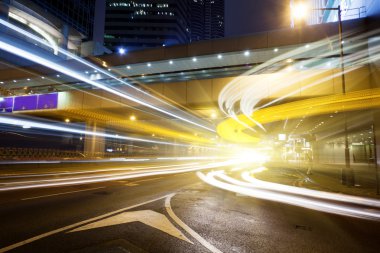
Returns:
(194,234)
(62,193)
(35,238)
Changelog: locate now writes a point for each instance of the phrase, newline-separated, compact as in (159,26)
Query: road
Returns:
(170,213)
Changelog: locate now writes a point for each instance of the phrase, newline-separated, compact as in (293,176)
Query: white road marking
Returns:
(148,217)
(194,234)
(62,193)
(35,238)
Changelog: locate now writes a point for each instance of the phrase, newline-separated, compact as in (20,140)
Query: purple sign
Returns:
(47,101)
(32,102)
(6,104)
(25,103)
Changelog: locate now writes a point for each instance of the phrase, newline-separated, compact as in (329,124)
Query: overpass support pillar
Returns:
(376,142)
(94,145)
(65,36)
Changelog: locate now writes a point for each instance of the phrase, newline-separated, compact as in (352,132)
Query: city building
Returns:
(207,19)
(77,14)
(134,24)
(85,16)
(64,24)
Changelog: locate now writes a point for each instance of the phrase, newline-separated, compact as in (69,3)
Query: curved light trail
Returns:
(240,98)
(320,201)
(233,130)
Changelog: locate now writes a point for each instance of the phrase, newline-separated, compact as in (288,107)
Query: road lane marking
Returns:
(147,217)
(62,193)
(35,238)
(194,234)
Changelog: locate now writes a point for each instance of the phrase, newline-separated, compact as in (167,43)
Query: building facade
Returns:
(135,24)
(207,19)
(77,14)
(69,25)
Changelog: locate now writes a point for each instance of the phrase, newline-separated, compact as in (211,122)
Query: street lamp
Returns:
(299,11)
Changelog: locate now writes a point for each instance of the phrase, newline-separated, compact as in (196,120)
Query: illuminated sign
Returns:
(6,105)
(24,103)
(47,101)
(31,102)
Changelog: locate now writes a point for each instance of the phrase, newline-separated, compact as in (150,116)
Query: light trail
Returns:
(256,183)
(51,127)
(52,65)
(310,202)
(252,87)
(79,180)
(143,126)
(70,173)
(232,130)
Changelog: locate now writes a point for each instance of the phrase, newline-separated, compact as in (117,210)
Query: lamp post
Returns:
(299,12)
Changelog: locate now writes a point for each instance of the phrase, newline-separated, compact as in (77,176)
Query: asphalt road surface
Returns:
(170,213)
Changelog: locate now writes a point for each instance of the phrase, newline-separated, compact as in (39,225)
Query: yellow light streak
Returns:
(232,130)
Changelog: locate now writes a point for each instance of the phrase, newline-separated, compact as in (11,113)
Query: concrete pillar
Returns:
(94,145)
(65,36)
(374,62)
(376,136)
(130,149)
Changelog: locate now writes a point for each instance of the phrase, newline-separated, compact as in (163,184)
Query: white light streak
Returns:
(77,180)
(22,123)
(233,185)
(102,71)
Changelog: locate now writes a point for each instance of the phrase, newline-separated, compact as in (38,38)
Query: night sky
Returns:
(250,16)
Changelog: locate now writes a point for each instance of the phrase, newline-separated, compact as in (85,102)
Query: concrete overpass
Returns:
(191,76)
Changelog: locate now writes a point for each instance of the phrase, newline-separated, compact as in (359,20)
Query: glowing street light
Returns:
(132,117)
(282,137)
(121,51)
(299,11)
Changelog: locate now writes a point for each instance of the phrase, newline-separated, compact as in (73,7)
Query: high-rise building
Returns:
(133,24)
(207,19)
(78,14)
(85,16)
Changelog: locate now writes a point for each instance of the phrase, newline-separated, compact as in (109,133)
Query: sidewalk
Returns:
(327,177)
